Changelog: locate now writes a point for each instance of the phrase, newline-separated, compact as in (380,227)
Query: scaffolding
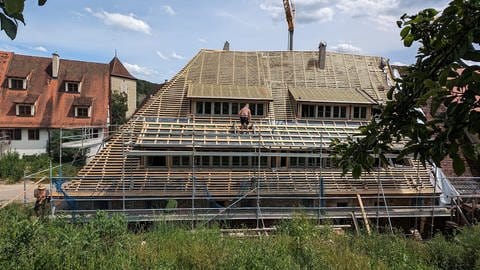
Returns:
(252,194)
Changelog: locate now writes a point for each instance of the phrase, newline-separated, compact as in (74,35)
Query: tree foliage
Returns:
(119,108)
(445,79)
(145,89)
(11,14)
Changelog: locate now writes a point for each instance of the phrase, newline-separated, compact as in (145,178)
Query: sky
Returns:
(155,38)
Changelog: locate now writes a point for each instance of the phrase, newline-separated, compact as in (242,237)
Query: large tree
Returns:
(11,14)
(445,79)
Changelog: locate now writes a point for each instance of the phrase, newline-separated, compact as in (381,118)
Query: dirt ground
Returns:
(15,192)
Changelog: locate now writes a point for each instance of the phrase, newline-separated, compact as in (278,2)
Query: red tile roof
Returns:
(53,105)
(117,69)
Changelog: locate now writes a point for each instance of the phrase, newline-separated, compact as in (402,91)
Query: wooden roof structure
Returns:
(164,126)
(327,95)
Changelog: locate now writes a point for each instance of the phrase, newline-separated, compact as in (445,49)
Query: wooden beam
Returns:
(364,214)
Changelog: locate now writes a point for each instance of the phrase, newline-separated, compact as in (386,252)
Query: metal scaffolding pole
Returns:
(193,177)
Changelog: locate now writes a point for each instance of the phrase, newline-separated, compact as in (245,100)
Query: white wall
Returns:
(30,147)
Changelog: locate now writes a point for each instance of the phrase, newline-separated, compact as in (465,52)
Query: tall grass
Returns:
(105,242)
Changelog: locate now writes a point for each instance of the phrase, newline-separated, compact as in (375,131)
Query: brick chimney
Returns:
(55,65)
(322,48)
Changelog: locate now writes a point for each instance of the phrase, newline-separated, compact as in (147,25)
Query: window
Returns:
(235,108)
(33,134)
(297,162)
(217,108)
(180,161)
(227,108)
(359,112)
(308,110)
(73,87)
(320,111)
(11,134)
(92,133)
(328,112)
(199,107)
(156,161)
(82,112)
(17,83)
(24,110)
(339,112)
(256,109)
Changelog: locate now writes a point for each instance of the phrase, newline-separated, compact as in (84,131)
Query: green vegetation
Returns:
(13,167)
(69,155)
(145,89)
(11,14)
(448,43)
(27,242)
(119,108)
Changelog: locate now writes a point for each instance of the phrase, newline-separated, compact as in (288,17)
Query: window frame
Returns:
(221,108)
(11,83)
(149,161)
(22,111)
(72,83)
(33,134)
(359,112)
(79,109)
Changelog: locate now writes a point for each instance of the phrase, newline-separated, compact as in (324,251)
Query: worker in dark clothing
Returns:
(42,196)
(245,116)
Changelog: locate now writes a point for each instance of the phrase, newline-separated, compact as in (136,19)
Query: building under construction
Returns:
(184,156)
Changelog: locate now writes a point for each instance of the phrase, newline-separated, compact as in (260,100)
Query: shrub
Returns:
(12,167)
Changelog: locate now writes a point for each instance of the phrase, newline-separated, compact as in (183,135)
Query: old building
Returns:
(39,95)
(183,154)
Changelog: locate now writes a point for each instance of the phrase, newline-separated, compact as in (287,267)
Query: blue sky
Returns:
(155,39)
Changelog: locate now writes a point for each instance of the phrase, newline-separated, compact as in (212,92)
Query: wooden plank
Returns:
(364,214)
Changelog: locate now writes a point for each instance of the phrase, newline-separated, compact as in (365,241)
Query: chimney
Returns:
(226,46)
(55,65)
(322,48)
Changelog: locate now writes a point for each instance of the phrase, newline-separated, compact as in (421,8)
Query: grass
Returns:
(27,242)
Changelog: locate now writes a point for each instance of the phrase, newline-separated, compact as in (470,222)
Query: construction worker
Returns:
(41,195)
(245,116)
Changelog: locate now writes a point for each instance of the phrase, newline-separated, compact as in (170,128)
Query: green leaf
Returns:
(408,40)
(458,165)
(14,6)
(405,31)
(469,151)
(8,26)
(42,2)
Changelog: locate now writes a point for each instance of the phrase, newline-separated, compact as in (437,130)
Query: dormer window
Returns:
(17,83)
(82,107)
(25,110)
(72,87)
(82,111)
(359,112)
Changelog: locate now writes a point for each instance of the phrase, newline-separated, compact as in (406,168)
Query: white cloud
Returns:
(134,68)
(161,55)
(176,56)
(40,48)
(346,48)
(319,15)
(128,22)
(202,40)
(385,22)
(169,10)
(362,8)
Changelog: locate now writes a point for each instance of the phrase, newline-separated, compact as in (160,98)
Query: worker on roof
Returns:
(245,116)
(42,197)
